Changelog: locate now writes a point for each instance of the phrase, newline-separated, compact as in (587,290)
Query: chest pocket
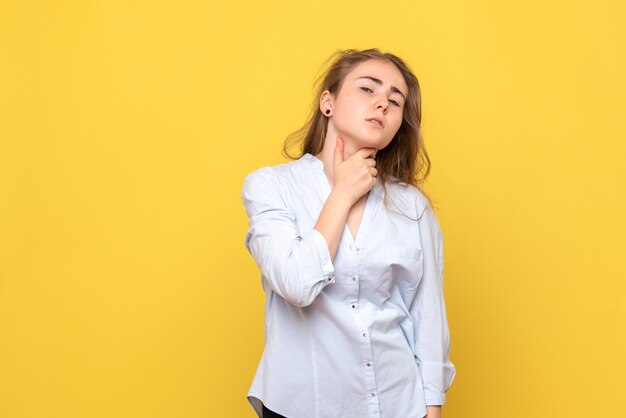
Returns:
(397,265)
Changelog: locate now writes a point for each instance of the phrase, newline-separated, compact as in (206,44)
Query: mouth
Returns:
(376,122)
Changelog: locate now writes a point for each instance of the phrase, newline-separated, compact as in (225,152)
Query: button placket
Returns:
(353,293)
(369,374)
(353,288)
(369,377)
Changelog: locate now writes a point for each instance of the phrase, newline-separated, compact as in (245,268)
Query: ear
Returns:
(326,101)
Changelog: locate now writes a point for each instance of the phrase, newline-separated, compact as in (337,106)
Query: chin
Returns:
(366,140)
(372,143)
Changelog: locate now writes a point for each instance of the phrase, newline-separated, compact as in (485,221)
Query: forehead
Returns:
(381,69)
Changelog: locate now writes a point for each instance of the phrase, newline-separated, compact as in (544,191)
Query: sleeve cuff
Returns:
(437,378)
(328,269)
(434,399)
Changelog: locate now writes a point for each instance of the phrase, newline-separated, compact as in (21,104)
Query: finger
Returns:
(367,152)
(370,162)
(364,152)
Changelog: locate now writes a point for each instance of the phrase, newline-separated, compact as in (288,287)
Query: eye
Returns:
(368,90)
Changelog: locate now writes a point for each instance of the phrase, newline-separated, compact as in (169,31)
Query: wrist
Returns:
(340,200)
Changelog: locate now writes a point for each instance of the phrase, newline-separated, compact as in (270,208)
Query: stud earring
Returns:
(327,111)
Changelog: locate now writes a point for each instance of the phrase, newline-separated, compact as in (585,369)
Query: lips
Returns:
(376,121)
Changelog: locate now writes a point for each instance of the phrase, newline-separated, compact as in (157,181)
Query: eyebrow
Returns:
(379,82)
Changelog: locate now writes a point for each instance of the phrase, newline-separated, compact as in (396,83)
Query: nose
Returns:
(383,104)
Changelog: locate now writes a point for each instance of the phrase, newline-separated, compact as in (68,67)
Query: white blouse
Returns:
(363,335)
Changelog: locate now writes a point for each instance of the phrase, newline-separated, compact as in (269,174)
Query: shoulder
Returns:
(261,191)
(271,176)
(421,201)
(409,198)
(260,177)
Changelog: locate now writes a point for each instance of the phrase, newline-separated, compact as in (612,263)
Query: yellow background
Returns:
(127,127)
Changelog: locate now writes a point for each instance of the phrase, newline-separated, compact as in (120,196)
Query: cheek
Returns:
(348,112)
(348,105)
(397,122)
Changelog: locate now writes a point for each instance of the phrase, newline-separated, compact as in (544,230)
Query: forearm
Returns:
(332,220)
(433,411)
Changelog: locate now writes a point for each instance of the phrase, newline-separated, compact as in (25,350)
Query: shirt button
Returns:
(373,394)
(354,279)
(363,334)
(353,306)
(368,364)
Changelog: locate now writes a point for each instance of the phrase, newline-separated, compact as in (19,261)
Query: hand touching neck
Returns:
(328,151)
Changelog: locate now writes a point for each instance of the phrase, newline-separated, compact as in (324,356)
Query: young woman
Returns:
(351,256)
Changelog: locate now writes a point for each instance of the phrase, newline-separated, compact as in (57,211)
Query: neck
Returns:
(328,153)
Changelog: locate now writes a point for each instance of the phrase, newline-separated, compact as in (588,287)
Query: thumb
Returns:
(338,157)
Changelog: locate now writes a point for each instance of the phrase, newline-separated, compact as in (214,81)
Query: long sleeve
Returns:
(432,337)
(297,267)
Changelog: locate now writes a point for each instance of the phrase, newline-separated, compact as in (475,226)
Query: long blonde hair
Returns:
(405,159)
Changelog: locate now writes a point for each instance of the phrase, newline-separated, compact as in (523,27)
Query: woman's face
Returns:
(374,89)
